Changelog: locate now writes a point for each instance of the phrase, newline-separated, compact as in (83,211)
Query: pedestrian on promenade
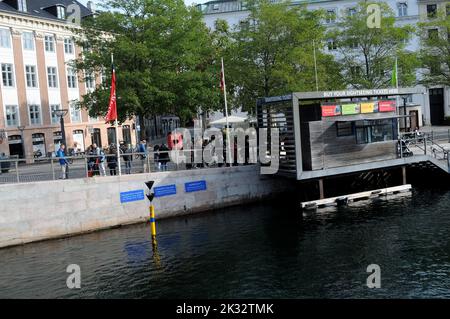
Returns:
(100,159)
(142,149)
(164,157)
(112,160)
(63,162)
(156,157)
(127,157)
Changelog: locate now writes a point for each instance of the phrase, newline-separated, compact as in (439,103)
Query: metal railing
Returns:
(82,166)
(426,143)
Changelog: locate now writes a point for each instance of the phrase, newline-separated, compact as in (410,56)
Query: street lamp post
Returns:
(21,129)
(61,113)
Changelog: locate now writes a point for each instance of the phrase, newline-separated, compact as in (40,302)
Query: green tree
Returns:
(272,53)
(367,54)
(435,50)
(163,57)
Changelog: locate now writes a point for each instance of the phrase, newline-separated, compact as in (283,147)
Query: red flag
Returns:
(112,108)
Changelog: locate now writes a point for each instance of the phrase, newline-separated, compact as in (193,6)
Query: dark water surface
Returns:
(256,251)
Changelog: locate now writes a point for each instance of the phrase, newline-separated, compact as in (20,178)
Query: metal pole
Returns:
(153,225)
(53,168)
(63,131)
(17,171)
(425,144)
(315,66)
(86,166)
(226,115)
(116,125)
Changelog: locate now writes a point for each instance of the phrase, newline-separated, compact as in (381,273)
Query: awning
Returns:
(231,120)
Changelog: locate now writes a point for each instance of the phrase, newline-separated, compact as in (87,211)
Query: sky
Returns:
(187,2)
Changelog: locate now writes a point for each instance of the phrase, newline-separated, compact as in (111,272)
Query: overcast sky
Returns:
(185,1)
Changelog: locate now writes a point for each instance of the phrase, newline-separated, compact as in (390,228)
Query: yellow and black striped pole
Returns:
(153,224)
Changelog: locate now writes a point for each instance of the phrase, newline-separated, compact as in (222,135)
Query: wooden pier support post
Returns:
(404,174)
(321,192)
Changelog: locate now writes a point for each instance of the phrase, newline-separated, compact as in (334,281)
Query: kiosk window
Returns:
(374,131)
(344,128)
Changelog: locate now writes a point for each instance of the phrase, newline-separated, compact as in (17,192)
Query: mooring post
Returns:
(404,174)
(152,220)
(321,192)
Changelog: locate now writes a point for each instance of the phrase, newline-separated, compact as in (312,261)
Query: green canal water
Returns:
(256,251)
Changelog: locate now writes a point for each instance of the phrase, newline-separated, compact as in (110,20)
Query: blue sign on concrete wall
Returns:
(165,190)
(195,186)
(132,196)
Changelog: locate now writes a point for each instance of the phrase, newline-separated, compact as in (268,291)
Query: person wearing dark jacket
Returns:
(127,157)
(112,161)
(164,156)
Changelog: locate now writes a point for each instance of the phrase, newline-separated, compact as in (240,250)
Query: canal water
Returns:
(256,251)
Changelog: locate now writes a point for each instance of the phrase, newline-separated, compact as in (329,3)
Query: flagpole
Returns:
(315,66)
(226,114)
(396,85)
(116,125)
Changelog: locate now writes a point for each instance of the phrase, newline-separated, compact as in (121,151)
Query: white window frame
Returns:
(54,75)
(328,19)
(39,111)
(72,78)
(61,12)
(12,79)
(17,115)
(33,77)
(332,43)
(53,118)
(351,9)
(22,5)
(90,80)
(74,111)
(68,46)
(49,43)
(402,9)
(28,41)
(5,38)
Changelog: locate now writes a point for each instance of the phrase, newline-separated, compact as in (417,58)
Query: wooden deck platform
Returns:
(345,199)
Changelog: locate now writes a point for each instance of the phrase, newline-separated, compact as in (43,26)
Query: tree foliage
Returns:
(272,53)
(367,55)
(435,50)
(163,57)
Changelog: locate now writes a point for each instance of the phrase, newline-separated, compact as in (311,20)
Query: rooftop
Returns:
(42,8)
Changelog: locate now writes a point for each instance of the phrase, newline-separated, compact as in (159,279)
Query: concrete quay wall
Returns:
(44,210)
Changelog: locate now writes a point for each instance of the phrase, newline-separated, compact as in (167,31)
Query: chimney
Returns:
(91,6)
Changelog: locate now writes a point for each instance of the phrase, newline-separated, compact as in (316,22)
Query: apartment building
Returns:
(36,47)
(432,108)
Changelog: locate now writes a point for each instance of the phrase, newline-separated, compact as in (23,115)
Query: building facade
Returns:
(36,48)
(432,108)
